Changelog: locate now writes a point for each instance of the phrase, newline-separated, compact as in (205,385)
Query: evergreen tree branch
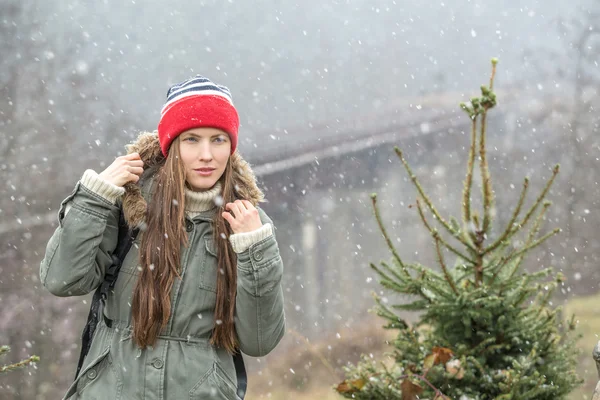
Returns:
(381,273)
(530,242)
(497,262)
(481,347)
(509,229)
(390,284)
(486,180)
(469,179)
(20,364)
(524,293)
(443,265)
(538,223)
(464,275)
(522,370)
(541,197)
(480,106)
(496,269)
(390,270)
(544,299)
(417,305)
(434,211)
(477,365)
(479,271)
(385,235)
(411,286)
(423,378)
(497,348)
(406,279)
(438,290)
(434,233)
(493,76)
(384,311)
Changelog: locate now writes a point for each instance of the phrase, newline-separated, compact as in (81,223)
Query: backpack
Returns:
(125,240)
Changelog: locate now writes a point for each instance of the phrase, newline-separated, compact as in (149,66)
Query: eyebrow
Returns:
(199,136)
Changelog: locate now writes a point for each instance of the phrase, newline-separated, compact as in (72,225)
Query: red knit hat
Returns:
(195,103)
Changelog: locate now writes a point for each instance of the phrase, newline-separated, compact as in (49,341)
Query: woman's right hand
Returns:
(124,169)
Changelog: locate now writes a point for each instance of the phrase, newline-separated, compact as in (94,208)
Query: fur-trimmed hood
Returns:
(148,147)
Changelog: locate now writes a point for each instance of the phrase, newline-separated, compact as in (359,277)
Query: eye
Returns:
(190,139)
(220,139)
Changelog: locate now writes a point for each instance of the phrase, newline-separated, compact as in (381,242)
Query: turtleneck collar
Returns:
(197,202)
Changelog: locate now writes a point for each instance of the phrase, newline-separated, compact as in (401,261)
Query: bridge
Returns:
(303,146)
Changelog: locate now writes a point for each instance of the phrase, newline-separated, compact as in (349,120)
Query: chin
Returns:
(205,185)
(197,183)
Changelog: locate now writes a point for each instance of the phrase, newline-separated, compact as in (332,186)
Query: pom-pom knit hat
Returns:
(194,103)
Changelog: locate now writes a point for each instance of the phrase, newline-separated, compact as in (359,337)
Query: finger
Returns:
(228,217)
(135,163)
(234,208)
(132,156)
(133,178)
(251,210)
(241,205)
(136,170)
(249,206)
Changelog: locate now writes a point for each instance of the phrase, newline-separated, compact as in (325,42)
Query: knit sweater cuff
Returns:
(242,241)
(92,181)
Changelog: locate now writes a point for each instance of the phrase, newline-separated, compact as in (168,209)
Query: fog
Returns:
(324,91)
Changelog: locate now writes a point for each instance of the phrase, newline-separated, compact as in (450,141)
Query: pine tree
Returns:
(486,328)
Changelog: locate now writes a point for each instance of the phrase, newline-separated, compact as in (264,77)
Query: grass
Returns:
(303,370)
(588,317)
(300,369)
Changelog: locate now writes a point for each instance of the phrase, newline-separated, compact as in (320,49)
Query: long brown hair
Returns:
(160,257)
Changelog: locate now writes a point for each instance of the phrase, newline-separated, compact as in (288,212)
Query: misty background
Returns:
(324,91)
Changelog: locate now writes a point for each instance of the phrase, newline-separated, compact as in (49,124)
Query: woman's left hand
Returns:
(243,216)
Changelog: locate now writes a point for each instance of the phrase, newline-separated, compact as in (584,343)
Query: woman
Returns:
(203,277)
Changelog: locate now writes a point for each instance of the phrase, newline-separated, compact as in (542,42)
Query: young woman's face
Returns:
(204,152)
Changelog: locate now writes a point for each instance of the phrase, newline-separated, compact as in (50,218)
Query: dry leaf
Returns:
(430,361)
(410,390)
(443,354)
(439,355)
(351,386)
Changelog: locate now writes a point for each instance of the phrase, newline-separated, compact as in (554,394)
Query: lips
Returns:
(204,171)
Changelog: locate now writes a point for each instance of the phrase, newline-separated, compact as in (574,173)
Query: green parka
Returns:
(182,364)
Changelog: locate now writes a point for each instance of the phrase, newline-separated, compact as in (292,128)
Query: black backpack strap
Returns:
(88,330)
(240,373)
(124,242)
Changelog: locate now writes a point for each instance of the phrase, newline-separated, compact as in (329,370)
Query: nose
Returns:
(204,152)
